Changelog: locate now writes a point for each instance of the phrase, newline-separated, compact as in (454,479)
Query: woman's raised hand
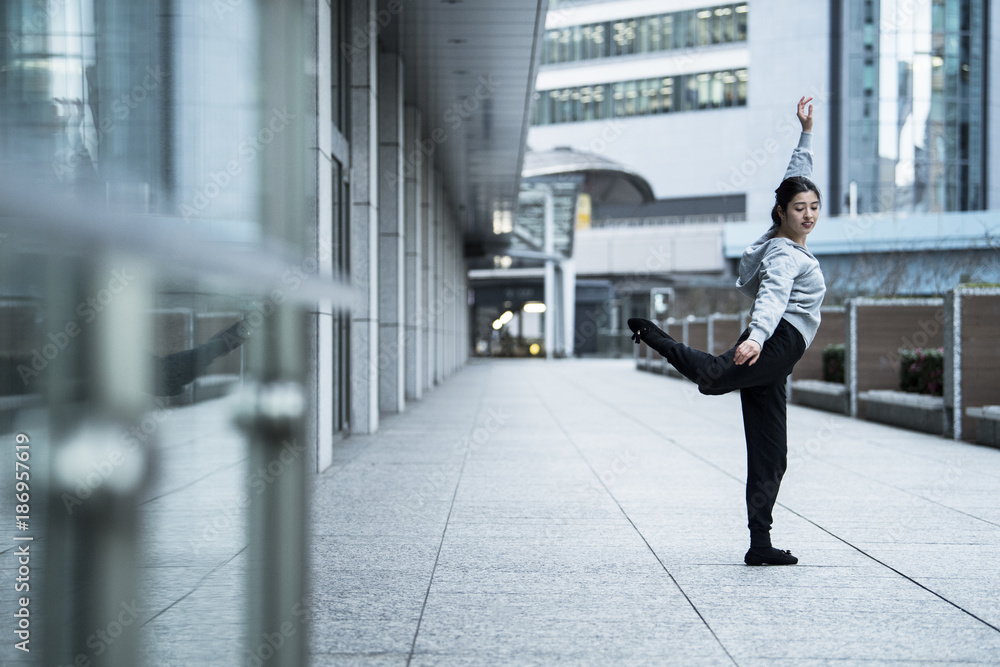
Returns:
(806,118)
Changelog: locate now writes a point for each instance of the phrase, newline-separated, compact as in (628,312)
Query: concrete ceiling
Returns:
(470,67)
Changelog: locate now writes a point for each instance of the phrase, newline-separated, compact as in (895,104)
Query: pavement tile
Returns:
(599,520)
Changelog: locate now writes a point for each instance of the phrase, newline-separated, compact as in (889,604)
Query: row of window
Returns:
(643,97)
(721,24)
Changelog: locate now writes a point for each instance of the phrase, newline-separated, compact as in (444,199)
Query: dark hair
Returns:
(787,191)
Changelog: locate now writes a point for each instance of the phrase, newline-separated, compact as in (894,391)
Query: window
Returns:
(643,97)
(721,24)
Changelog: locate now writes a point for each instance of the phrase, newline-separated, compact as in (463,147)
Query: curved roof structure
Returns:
(606,181)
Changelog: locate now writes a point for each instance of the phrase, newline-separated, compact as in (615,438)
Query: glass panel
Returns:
(669,40)
(141,298)
(667,94)
(927,126)
(741,22)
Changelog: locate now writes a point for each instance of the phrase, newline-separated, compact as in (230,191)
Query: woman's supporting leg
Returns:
(764,423)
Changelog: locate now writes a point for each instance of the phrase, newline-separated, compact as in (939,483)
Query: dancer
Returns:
(173,372)
(786,284)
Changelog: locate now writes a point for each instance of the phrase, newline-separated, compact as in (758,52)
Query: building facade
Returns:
(232,235)
(699,98)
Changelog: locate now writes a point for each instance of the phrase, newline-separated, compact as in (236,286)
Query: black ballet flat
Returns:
(769,556)
(639,327)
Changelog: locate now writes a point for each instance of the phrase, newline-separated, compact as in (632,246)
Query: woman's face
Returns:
(801,214)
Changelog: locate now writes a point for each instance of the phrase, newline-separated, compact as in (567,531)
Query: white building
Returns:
(699,99)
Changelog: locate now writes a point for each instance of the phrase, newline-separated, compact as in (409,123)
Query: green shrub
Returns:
(922,371)
(833,363)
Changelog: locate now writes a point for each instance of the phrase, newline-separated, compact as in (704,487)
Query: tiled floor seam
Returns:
(638,532)
(889,567)
(906,491)
(196,587)
(786,507)
(444,531)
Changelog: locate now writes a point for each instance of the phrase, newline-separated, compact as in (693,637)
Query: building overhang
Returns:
(470,68)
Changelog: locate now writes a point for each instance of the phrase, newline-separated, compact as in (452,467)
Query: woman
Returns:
(785,282)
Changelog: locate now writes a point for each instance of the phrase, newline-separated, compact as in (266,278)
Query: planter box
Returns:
(987,424)
(829,396)
(911,411)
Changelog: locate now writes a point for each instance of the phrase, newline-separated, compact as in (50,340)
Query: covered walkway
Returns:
(580,512)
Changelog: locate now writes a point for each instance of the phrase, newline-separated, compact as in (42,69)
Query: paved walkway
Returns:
(578,513)
(582,512)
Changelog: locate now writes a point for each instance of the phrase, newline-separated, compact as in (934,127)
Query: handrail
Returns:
(71,224)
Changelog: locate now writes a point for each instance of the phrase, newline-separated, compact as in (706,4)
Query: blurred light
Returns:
(503,221)
(535,348)
(497,325)
(506,317)
(534,307)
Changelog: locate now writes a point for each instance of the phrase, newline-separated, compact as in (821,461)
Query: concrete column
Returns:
(568,270)
(443,217)
(427,240)
(413,252)
(447,245)
(319,329)
(391,358)
(364,224)
(459,297)
(454,249)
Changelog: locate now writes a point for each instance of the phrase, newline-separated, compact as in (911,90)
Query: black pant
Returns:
(762,391)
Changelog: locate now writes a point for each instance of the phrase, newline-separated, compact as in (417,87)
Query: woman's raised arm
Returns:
(801,163)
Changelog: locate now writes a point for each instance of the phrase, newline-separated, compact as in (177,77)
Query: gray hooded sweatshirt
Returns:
(783,278)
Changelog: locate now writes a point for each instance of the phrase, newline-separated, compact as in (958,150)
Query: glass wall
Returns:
(156,280)
(644,97)
(719,24)
(915,85)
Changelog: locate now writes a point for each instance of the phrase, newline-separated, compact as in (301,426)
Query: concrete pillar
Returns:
(319,329)
(447,310)
(364,223)
(391,270)
(413,249)
(442,215)
(453,297)
(567,269)
(427,240)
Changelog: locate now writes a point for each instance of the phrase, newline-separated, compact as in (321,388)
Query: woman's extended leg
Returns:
(716,375)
